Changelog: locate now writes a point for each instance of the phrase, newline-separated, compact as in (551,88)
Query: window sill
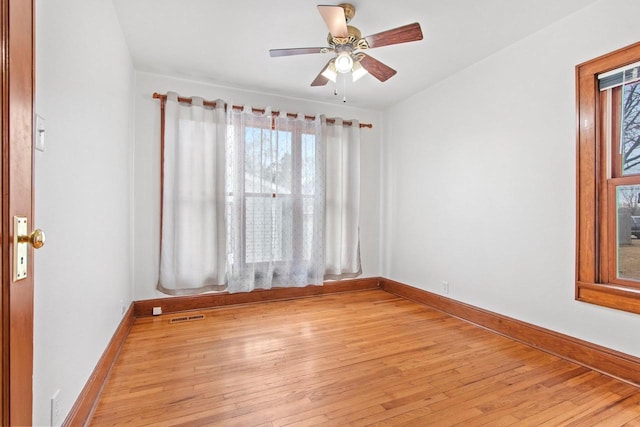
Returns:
(613,296)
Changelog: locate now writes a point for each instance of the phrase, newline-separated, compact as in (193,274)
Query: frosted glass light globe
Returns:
(344,63)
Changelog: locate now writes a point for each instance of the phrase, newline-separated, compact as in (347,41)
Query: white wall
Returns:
(84,90)
(480,180)
(147,167)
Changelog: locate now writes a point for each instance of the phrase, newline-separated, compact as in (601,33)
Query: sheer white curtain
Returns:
(192,253)
(275,201)
(342,210)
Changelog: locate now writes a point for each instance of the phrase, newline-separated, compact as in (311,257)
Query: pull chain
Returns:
(344,86)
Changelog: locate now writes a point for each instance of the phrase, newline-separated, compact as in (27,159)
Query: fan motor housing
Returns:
(354,36)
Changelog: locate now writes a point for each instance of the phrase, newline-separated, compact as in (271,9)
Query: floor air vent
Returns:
(187,318)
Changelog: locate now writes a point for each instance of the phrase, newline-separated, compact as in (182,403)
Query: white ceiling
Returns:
(227,42)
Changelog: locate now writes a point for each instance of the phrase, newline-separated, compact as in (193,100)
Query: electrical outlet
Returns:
(157,311)
(55,408)
(445,287)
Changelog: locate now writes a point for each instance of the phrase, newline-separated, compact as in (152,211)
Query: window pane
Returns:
(257,154)
(267,161)
(628,232)
(630,134)
(283,163)
(267,227)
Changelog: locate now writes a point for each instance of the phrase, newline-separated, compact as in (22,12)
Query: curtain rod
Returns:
(256,110)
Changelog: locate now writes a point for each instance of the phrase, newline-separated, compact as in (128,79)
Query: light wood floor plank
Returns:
(362,359)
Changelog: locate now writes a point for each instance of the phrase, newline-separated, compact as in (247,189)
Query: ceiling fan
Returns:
(348,45)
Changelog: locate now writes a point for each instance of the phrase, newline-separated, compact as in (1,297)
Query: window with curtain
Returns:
(193,246)
(255,200)
(275,209)
(342,235)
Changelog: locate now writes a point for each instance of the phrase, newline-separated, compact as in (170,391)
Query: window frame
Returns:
(595,212)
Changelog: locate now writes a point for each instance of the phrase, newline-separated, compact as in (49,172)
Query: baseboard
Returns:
(85,404)
(211,300)
(607,361)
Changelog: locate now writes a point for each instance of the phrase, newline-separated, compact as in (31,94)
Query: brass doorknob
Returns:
(35,239)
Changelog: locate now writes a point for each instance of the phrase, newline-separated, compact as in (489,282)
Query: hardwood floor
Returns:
(360,358)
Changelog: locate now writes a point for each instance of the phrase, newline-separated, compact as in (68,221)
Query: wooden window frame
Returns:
(595,221)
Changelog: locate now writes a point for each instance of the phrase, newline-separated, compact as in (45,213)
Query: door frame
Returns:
(17,82)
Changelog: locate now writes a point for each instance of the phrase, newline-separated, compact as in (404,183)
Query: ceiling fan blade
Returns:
(297,51)
(404,34)
(320,79)
(376,68)
(334,18)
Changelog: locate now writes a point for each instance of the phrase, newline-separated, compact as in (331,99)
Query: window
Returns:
(608,180)
(253,199)
(275,201)
(279,175)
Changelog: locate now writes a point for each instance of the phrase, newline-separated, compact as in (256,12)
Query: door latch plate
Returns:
(20,249)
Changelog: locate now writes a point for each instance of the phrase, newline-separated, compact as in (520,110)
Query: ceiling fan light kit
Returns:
(347,43)
(358,71)
(344,62)
(329,72)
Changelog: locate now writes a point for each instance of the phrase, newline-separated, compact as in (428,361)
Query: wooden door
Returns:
(16,180)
